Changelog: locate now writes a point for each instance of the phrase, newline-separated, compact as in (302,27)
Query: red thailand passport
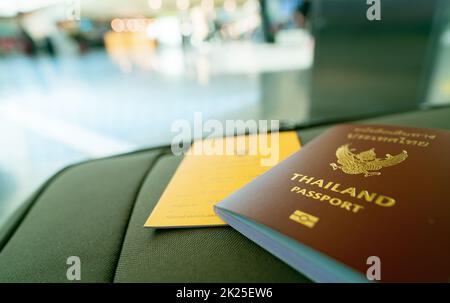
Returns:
(358,203)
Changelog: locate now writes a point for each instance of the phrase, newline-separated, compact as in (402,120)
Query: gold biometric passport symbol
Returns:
(365,162)
(303,218)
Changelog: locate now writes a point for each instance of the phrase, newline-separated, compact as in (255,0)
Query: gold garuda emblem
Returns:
(365,162)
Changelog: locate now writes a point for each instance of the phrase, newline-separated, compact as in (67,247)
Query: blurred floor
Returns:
(57,111)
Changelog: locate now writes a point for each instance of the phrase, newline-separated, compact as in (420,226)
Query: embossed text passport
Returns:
(359,203)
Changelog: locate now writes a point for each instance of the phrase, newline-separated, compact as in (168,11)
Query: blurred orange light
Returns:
(130,24)
(140,25)
(118,25)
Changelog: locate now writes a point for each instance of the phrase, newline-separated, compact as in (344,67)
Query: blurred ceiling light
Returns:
(183,4)
(155,4)
(118,25)
(207,5)
(229,5)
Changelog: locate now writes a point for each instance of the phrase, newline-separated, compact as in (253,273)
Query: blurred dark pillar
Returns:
(369,67)
(267,30)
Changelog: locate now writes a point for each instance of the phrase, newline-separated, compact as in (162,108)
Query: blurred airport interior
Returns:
(82,79)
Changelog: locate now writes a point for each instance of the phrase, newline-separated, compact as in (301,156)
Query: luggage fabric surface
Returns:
(96,211)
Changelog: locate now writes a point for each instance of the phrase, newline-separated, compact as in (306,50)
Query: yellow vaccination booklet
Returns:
(213,169)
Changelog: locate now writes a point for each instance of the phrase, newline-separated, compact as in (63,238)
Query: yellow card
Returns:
(211,170)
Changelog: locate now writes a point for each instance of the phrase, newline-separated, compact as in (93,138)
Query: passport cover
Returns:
(355,192)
